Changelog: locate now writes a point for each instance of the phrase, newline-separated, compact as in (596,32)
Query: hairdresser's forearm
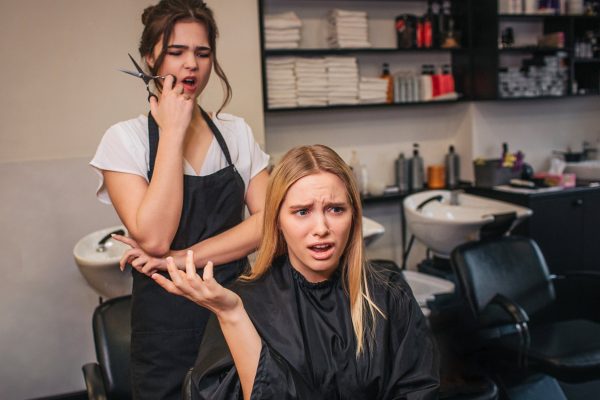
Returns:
(231,245)
(244,344)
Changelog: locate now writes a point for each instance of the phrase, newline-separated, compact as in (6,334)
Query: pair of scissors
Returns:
(144,76)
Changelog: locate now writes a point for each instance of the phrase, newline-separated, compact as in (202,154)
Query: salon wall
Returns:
(476,129)
(61,90)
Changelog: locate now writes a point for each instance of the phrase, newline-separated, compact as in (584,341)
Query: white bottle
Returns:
(364,180)
(356,170)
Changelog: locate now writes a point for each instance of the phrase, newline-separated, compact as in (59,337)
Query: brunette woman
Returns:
(179,178)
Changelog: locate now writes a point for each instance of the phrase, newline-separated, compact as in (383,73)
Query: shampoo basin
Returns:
(97,256)
(425,287)
(585,170)
(442,226)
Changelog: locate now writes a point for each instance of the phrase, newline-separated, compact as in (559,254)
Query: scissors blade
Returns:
(136,74)
(142,74)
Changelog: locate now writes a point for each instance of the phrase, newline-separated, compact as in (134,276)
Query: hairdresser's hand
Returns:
(173,109)
(205,290)
(139,259)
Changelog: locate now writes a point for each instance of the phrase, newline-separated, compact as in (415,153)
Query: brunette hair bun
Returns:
(147,13)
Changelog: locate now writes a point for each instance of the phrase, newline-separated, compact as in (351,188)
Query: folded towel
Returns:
(274,106)
(281,96)
(367,79)
(336,74)
(332,101)
(281,74)
(280,68)
(312,102)
(310,63)
(280,60)
(271,37)
(283,20)
(281,45)
(336,12)
(358,21)
(281,88)
(350,45)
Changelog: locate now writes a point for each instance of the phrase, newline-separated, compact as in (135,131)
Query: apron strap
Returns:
(218,136)
(153,140)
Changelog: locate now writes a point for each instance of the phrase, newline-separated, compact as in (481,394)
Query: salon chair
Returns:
(109,379)
(505,283)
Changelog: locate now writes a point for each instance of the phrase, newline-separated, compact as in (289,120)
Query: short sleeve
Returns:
(123,148)
(259,160)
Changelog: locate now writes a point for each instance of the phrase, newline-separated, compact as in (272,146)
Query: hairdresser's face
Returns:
(188,57)
(315,219)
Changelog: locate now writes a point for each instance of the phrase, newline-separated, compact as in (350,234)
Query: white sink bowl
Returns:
(585,170)
(101,268)
(371,230)
(425,287)
(442,226)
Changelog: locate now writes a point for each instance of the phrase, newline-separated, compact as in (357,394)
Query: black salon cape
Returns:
(308,343)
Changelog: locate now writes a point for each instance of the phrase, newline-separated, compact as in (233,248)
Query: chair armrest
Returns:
(93,382)
(517,312)
(576,274)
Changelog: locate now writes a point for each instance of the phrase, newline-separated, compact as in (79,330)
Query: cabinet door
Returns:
(591,232)
(557,226)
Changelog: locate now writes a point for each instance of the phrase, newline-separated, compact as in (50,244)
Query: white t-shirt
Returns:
(125,148)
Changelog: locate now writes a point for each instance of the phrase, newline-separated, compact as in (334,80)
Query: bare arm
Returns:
(228,246)
(240,240)
(151,212)
(240,334)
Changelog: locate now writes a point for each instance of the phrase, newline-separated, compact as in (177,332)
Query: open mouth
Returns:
(321,248)
(189,83)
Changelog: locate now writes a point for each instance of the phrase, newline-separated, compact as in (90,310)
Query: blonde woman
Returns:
(313,320)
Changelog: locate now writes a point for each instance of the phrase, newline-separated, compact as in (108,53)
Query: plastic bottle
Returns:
(426,29)
(416,169)
(356,170)
(364,180)
(385,74)
(452,163)
(402,176)
(426,83)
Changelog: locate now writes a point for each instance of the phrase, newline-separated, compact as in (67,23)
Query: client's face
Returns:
(315,219)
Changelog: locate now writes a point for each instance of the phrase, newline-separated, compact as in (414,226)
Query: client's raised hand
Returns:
(205,290)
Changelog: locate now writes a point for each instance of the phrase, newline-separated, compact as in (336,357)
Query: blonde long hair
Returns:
(296,164)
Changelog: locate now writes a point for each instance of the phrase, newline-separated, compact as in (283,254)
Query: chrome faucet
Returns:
(454,196)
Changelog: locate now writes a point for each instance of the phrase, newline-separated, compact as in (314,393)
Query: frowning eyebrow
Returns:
(301,206)
(184,47)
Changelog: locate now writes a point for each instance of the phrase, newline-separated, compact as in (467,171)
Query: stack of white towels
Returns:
(282,31)
(372,90)
(348,29)
(342,80)
(281,82)
(311,81)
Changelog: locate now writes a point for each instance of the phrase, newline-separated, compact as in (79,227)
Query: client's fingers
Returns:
(208,271)
(190,267)
(173,271)
(124,239)
(166,284)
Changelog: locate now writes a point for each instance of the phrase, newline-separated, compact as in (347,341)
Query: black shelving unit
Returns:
(487,57)
(460,57)
(366,106)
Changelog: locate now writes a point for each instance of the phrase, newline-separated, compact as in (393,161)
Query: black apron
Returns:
(167,329)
